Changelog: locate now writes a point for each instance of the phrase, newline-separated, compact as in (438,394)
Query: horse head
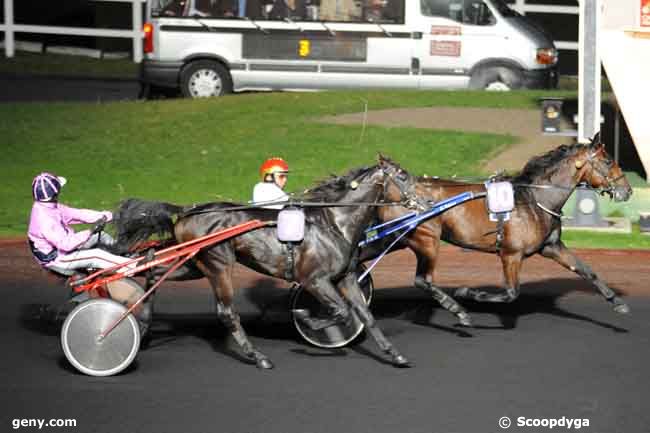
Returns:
(598,170)
(400,184)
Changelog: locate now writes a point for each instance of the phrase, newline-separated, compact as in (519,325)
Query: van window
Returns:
(474,12)
(376,11)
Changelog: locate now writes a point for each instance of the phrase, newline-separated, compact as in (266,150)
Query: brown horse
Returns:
(535,227)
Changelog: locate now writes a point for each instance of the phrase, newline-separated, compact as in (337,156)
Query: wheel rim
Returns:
(205,83)
(88,354)
(497,86)
(333,336)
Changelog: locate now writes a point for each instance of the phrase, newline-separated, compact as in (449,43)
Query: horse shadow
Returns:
(539,297)
(264,310)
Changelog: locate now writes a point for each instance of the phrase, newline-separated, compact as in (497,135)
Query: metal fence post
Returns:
(137,30)
(10,48)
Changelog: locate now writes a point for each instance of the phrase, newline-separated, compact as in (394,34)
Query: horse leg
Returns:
(511,267)
(327,295)
(565,257)
(220,278)
(423,280)
(350,289)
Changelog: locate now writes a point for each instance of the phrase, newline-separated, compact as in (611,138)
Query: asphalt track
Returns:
(558,351)
(34,88)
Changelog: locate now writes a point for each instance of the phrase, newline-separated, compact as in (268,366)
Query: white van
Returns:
(213,47)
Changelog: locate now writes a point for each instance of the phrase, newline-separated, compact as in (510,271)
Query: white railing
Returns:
(10,28)
(523,8)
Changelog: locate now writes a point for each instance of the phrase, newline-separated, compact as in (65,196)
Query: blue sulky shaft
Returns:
(411,220)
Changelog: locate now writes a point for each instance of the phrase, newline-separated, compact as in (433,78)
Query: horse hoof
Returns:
(264,364)
(401,361)
(465,320)
(622,308)
(462,292)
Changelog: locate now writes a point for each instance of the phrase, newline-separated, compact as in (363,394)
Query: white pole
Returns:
(137,30)
(589,70)
(10,49)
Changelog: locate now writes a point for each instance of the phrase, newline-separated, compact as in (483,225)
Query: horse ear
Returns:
(380,157)
(596,140)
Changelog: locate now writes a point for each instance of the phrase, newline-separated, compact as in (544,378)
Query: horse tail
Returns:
(137,220)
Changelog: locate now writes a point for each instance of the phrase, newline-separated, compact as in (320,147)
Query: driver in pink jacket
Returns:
(54,244)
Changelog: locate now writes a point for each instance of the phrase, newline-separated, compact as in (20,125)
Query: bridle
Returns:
(409,198)
(611,186)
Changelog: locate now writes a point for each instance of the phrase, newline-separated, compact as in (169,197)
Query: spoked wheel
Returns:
(333,336)
(95,356)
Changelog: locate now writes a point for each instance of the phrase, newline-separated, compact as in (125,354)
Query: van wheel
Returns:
(204,79)
(496,78)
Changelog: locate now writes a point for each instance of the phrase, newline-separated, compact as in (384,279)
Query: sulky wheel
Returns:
(86,351)
(336,335)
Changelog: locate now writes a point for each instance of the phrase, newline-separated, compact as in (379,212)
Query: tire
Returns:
(100,357)
(333,336)
(205,79)
(496,78)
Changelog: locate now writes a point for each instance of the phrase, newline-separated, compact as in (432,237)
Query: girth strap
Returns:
(289,273)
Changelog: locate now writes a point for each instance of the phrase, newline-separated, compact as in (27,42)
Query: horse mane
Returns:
(538,166)
(333,187)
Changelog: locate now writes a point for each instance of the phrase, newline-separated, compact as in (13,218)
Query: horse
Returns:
(541,189)
(323,263)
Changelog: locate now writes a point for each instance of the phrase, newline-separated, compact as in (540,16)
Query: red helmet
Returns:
(272,166)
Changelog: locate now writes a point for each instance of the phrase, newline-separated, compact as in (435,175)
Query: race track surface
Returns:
(558,351)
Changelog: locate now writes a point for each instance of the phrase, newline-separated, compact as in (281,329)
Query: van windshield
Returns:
(504,9)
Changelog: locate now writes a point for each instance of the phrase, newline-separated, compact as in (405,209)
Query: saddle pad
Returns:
(291,225)
(500,197)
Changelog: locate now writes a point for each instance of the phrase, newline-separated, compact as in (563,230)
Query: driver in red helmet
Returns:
(274,173)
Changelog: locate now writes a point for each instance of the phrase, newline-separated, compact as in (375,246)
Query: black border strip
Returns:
(433,71)
(282,67)
(364,70)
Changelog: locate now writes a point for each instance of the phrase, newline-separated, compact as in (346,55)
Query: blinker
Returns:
(579,164)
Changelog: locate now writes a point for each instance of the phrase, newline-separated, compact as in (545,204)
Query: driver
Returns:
(54,244)
(274,178)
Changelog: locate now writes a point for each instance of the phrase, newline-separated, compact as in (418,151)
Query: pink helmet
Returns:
(46,186)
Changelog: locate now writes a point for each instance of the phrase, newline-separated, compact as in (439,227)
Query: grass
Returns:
(579,239)
(188,151)
(71,66)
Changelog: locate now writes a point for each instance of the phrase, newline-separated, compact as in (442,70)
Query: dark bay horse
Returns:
(541,190)
(323,263)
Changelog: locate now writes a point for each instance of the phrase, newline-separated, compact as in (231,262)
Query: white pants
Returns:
(89,258)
